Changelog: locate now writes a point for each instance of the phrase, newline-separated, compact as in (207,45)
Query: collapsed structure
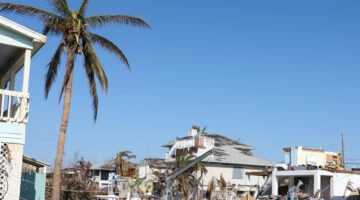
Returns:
(312,174)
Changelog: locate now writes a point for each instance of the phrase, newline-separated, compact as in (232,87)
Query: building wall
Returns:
(227,171)
(14,178)
(13,135)
(340,181)
(302,156)
(305,155)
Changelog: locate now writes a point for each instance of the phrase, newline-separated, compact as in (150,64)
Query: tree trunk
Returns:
(55,195)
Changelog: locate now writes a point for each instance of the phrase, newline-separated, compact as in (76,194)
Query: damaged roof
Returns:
(153,162)
(229,151)
(108,165)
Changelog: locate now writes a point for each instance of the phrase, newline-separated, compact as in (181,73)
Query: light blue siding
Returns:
(12,133)
(10,38)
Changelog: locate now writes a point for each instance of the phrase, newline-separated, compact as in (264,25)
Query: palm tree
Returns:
(203,171)
(76,40)
(187,182)
(122,162)
(211,187)
(214,182)
(183,179)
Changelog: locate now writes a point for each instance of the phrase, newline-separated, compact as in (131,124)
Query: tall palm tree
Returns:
(76,40)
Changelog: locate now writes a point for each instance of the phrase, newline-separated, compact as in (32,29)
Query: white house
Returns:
(231,159)
(17,45)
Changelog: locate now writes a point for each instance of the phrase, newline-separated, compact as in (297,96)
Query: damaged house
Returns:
(104,173)
(150,171)
(315,172)
(230,159)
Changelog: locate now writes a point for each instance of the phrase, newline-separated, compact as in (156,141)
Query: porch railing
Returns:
(201,142)
(14,106)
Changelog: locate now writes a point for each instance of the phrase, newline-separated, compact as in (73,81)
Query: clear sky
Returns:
(272,74)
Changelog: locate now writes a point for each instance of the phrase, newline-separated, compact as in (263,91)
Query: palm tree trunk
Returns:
(61,141)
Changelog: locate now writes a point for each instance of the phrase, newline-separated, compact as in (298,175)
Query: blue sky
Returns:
(272,74)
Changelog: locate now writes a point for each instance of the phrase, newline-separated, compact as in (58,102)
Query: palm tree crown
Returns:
(72,27)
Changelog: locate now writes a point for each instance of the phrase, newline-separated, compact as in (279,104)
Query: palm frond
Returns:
(101,20)
(109,46)
(93,61)
(25,10)
(93,90)
(61,6)
(212,184)
(53,67)
(222,183)
(52,25)
(83,7)
(93,65)
(125,153)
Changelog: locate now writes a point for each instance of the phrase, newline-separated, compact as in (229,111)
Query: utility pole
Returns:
(342,150)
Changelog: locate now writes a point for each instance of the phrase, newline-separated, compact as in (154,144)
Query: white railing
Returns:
(14,106)
(206,143)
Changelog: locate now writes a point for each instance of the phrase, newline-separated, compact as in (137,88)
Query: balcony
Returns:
(14,106)
(17,45)
(202,144)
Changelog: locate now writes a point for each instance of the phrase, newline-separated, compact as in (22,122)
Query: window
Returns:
(104,175)
(238,173)
(96,172)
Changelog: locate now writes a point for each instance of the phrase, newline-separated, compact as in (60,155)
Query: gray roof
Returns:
(108,165)
(230,151)
(153,162)
(233,152)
